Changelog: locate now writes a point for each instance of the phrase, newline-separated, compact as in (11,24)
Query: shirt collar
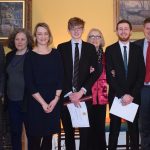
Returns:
(122,44)
(73,41)
(146,41)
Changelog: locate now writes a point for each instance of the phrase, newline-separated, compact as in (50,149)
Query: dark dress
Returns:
(43,74)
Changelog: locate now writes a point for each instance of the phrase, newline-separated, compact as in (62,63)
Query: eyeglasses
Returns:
(94,36)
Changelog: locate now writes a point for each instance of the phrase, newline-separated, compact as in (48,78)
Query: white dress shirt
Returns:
(122,50)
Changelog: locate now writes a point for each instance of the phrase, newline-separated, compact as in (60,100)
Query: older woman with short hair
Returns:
(99,94)
(20,42)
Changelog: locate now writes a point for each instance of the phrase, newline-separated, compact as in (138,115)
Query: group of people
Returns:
(39,80)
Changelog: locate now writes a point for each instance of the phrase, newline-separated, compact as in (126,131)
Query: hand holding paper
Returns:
(126,112)
(79,115)
(126,99)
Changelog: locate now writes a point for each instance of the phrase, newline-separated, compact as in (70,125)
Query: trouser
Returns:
(41,142)
(97,135)
(144,121)
(17,118)
(115,124)
(69,130)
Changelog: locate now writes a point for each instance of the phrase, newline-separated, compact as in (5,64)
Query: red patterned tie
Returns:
(147,77)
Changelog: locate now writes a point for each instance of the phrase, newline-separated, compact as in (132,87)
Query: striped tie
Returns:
(75,81)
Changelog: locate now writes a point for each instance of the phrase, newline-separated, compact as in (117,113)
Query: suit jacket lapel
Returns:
(82,52)
(70,61)
(82,59)
(119,55)
(131,57)
(142,43)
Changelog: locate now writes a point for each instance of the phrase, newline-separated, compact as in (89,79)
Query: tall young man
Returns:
(125,74)
(144,120)
(77,56)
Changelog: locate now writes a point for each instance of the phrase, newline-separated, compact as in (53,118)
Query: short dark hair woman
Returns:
(20,42)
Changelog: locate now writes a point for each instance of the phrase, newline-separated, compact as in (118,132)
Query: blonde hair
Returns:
(102,37)
(45,26)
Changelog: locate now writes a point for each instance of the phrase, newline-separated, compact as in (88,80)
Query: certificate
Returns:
(79,115)
(126,112)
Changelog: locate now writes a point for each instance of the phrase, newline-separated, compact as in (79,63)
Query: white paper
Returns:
(127,112)
(79,115)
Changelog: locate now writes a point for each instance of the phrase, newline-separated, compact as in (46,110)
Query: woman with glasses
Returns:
(99,94)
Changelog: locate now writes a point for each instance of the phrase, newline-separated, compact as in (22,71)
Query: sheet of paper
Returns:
(79,115)
(127,112)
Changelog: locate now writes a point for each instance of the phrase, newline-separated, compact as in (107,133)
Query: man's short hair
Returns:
(75,21)
(124,21)
(147,20)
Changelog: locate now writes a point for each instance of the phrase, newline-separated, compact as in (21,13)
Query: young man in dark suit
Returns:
(144,115)
(125,71)
(77,78)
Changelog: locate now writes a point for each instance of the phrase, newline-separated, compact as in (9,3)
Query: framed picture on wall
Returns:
(133,10)
(14,14)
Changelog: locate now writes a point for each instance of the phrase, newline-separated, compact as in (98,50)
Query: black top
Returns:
(15,82)
(43,74)
(9,58)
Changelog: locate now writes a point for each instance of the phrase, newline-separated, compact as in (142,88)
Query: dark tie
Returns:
(147,76)
(125,60)
(75,81)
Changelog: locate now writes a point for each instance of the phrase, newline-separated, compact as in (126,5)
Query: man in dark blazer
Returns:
(87,59)
(2,63)
(125,74)
(144,115)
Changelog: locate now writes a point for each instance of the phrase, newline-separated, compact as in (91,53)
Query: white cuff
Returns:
(84,90)
(66,95)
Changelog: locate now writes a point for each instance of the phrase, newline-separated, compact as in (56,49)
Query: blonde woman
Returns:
(43,78)
(99,93)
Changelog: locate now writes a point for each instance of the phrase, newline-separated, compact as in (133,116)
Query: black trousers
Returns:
(144,121)
(115,124)
(40,142)
(17,118)
(69,130)
(97,135)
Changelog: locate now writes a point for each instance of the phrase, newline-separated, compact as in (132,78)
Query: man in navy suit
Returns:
(125,71)
(87,59)
(144,121)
